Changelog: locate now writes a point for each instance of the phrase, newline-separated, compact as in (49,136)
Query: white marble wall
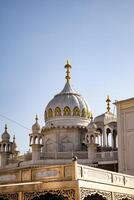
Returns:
(125,123)
(62,140)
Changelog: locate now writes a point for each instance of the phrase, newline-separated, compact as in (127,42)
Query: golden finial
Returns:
(36,118)
(68,67)
(108,103)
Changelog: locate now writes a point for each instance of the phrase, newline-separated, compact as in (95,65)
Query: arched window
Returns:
(31,140)
(57,111)
(4,147)
(83,112)
(50,113)
(36,140)
(67,111)
(76,111)
(40,140)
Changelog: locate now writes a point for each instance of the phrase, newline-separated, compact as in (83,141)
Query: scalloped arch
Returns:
(57,111)
(67,111)
(76,111)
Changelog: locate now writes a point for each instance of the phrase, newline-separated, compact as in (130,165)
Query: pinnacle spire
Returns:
(108,103)
(5,127)
(68,67)
(36,118)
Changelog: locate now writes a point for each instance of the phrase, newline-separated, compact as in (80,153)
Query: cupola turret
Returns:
(36,141)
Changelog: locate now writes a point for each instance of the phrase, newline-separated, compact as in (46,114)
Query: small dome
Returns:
(105,118)
(5,136)
(68,107)
(36,126)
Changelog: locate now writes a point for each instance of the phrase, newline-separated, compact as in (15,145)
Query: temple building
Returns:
(73,156)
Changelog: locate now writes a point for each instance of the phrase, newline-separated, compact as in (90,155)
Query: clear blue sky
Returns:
(36,36)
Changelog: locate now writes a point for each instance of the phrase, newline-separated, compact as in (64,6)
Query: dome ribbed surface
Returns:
(69,98)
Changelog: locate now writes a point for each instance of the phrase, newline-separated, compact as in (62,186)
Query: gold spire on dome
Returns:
(108,103)
(68,67)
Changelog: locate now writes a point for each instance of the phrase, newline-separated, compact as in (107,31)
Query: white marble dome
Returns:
(5,136)
(36,126)
(67,108)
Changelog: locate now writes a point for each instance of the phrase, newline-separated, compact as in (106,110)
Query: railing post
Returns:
(20,197)
(74,168)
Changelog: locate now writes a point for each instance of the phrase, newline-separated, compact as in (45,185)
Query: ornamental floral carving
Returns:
(9,196)
(67,194)
(118,196)
(88,192)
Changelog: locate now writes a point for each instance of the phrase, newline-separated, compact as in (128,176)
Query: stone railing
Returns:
(71,172)
(34,174)
(104,176)
(64,155)
(99,156)
(106,156)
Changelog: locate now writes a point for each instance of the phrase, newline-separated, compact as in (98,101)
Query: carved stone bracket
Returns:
(10,196)
(118,196)
(88,192)
(67,194)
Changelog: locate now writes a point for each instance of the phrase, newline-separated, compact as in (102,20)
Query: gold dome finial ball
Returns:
(108,103)
(68,67)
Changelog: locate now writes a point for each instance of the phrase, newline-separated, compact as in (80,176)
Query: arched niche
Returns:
(49,145)
(4,147)
(76,111)
(40,140)
(31,140)
(57,111)
(84,113)
(50,113)
(67,111)
(66,144)
(35,140)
